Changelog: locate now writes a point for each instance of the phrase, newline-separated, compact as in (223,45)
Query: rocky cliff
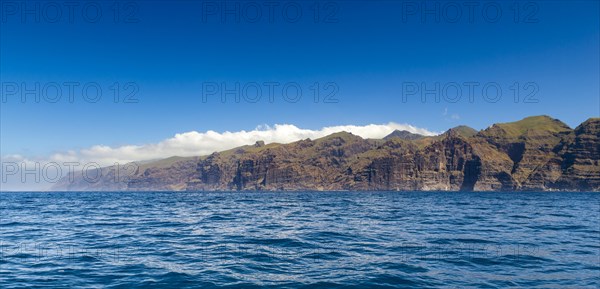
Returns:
(534,154)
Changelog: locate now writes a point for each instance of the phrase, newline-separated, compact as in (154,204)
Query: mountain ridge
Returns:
(536,153)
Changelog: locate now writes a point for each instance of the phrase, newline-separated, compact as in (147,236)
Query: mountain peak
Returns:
(403,134)
(533,123)
(462,130)
(591,124)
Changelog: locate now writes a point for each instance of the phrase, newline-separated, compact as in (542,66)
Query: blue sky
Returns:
(362,51)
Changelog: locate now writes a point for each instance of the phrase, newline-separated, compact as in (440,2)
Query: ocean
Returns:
(300,240)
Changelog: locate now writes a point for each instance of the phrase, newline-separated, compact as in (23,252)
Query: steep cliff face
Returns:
(304,164)
(167,176)
(403,166)
(531,145)
(580,167)
(536,153)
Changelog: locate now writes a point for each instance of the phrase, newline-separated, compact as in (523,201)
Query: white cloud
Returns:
(452,117)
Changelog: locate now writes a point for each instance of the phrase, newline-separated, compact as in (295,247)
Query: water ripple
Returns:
(300,240)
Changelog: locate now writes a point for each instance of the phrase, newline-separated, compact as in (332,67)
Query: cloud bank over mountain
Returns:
(191,143)
(203,143)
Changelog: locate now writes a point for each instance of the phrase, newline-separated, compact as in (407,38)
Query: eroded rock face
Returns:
(439,166)
(531,145)
(536,153)
(580,161)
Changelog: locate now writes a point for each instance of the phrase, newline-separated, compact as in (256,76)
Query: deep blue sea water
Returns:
(300,240)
